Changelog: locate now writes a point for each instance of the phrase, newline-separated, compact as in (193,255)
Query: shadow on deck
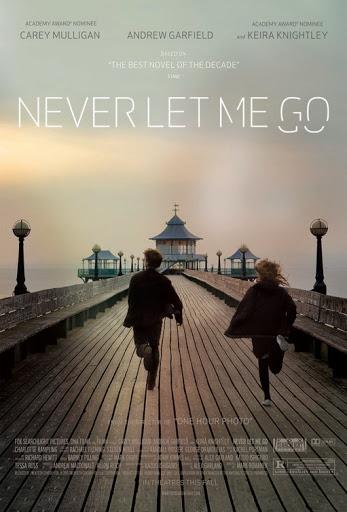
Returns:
(83,407)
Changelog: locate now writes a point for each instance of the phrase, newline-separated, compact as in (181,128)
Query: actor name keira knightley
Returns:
(293,113)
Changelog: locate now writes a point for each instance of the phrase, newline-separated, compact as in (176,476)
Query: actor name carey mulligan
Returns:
(293,113)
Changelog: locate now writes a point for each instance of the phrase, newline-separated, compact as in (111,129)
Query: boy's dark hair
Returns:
(153,258)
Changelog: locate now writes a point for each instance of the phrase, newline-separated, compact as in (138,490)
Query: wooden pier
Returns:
(199,441)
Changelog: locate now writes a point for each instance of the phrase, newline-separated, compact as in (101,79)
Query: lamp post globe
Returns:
(96,249)
(120,254)
(219,254)
(21,230)
(319,228)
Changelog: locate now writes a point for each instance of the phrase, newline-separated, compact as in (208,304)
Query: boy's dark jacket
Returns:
(151,297)
(266,310)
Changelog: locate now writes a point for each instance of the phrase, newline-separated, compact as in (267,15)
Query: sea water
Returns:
(38,278)
(299,276)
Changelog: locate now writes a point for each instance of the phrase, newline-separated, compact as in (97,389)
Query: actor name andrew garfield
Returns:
(172,34)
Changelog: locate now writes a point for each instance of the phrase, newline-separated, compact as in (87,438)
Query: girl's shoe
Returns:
(267,402)
(282,342)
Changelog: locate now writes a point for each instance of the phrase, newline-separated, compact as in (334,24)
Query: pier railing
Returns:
(235,287)
(102,273)
(325,309)
(17,309)
(235,272)
(321,324)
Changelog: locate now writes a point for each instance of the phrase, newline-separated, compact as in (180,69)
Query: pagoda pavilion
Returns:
(177,245)
(107,266)
(242,263)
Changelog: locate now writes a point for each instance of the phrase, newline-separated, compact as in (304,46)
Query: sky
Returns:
(117,187)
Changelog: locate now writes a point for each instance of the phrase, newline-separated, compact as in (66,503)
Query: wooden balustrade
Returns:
(17,309)
(325,309)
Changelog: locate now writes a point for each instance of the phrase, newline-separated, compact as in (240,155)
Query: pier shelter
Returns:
(178,245)
(242,263)
(107,266)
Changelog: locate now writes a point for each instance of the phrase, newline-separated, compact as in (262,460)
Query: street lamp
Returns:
(132,262)
(219,254)
(206,256)
(143,263)
(244,249)
(319,228)
(96,249)
(120,254)
(138,263)
(21,230)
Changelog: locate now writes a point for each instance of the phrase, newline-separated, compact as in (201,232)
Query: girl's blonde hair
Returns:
(270,271)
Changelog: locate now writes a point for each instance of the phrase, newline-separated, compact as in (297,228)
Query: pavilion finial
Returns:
(176,208)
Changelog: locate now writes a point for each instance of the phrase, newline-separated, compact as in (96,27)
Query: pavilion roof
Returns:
(103,255)
(175,230)
(238,255)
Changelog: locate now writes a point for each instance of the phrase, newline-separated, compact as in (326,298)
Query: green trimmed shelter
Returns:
(242,263)
(107,266)
(178,245)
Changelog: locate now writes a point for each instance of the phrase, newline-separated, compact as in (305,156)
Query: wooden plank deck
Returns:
(200,441)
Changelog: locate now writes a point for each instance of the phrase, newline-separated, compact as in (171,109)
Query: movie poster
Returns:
(173,280)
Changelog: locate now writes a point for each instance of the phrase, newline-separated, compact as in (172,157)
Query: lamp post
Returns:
(96,249)
(132,262)
(143,263)
(125,265)
(206,256)
(120,254)
(319,228)
(138,263)
(225,261)
(21,230)
(219,254)
(244,249)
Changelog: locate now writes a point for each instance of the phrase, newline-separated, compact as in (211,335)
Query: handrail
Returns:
(324,309)
(19,308)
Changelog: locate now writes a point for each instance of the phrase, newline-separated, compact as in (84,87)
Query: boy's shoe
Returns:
(140,349)
(267,402)
(151,380)
(282,342)
(147,357)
